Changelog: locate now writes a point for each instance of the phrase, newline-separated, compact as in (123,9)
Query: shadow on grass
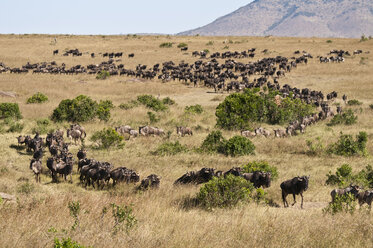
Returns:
(187,203)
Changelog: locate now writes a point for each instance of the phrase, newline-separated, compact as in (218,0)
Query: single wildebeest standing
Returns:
(294,186)
(248,134)
(183,131)
(35,166)
(82,154)
(353,189)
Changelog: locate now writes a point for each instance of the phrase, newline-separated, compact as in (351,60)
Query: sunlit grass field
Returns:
(163,221)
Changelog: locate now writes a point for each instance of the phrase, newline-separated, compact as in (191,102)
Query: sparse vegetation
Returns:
(129,105)
(10,110)
(315,147)
(123,218)
(329,41)
(194,109)
(153,118)
(181,45)
(342,204)
(346,118)
(108,138)
(344,176)
(166,45)
(347,146)
(363,38)
(66,243)
(170,148)
(224,192)
(37,98)
(354,102)
(210,43)
(239,110)
(102,75)
(151,102)
(43,126)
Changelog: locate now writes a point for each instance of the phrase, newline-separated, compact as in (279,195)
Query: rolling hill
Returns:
(294,18)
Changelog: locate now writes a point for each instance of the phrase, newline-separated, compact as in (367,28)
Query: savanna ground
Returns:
(162,219)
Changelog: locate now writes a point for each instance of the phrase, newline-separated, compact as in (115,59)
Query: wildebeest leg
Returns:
(71,177)
(301,206)
(295,200)
(284,199)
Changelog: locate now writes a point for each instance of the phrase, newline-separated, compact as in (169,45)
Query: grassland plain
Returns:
(162,219)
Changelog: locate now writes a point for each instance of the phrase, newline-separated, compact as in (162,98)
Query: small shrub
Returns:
(168,101)
(210,43)
(239,146)
(181,45)
(261,166)
(363,38)
(153,118)
(66,243)
(329,41)
(10,110)
(354,102)
(207,51)
(103,110)
(16,127)
(37,98)
(224,192)
(346,118)
(165,45)
(123,218)
(42,126)
(107,138)
(129,105)
(315,147)
(102,75)
(371,106)
(347,146)
(170,148)
(74,208)
(25,188)
(226,47)
(214,142)
(151,102)
(194,109)
(342,177)
(342,204)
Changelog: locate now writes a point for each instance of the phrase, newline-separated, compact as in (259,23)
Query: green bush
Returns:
(170,148)
(342,204)
(10,110)
(365,176)
(315,147)
(346,118)
(103,110)
(123,218)
(371,106)
(363,38)
(42,126)
(354,102)
(129,105)
(151,102)
(168,101)
(165,45)
(153,118)
(210,43)
(37,98)
(82,109)
(224,192)
(239,146)
(260,166)
(194,109)
(347,146)
(329,41)
(25,188)
(207,51)
(342,177)
(239,110)
(214,142)
(16,127)
(102,75)
(74,208)
(181,45)
(66,243)
(108,138)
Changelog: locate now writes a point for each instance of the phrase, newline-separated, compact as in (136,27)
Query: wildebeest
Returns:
(151,181)
(353,189)
(259,178)
(365,197)
(279,133)
(235,171)
(294,186)
(248,134)
(74,134)
(55,52)
(131,55)
(183,131)
(82,153)
(35,166)
(124,174)
(202,176)
(147,130)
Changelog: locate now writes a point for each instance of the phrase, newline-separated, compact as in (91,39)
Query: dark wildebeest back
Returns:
(294,186)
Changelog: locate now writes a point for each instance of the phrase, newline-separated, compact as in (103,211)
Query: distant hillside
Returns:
(304,18)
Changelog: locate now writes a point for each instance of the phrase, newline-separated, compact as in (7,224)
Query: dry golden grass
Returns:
(162,220)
